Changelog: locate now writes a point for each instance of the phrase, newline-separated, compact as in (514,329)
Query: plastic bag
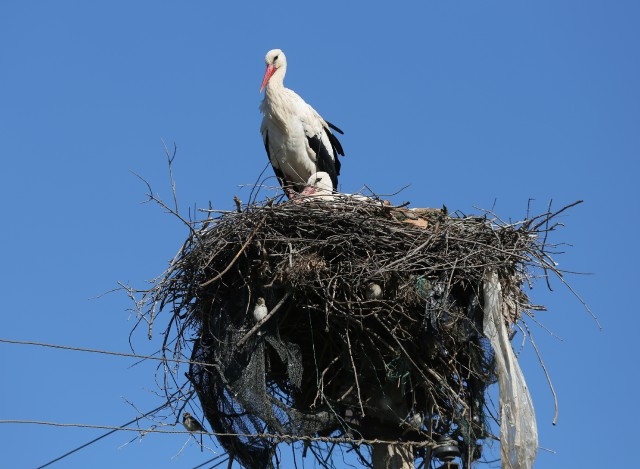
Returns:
(518,428)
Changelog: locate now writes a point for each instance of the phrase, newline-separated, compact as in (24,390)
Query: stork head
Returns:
(275,60)
(321,182)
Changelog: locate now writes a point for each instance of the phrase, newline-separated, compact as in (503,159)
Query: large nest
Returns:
(375,323)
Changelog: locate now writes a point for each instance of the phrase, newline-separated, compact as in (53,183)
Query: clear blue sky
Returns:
(472,104)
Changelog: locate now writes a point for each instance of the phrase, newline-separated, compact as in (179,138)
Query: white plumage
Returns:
(298,141)
(373,291)
(319,185)
(260,311)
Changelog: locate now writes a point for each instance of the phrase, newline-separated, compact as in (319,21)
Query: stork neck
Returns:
(276,82)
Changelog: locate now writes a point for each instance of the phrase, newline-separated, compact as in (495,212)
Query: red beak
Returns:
(267,75)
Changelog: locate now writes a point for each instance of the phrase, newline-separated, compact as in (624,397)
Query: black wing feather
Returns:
(325,161)
(335,143)
(334,128)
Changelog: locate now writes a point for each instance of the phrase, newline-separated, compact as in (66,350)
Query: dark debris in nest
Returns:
(375,323)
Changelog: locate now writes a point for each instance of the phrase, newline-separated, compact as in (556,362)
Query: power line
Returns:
(111,429)
(274,436)
(225,456)
(123,427)
(104,352)
(91,426)
(115,429)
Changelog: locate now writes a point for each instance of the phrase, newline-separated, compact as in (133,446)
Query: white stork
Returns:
(319,185)
(298,141)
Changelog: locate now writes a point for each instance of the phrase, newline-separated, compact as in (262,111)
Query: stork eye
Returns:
(275,58)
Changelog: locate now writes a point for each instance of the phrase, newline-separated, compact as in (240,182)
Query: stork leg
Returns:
(291,194)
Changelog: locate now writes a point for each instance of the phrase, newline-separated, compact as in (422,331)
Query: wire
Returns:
(273,436)
(104,352)
(123,427)
(111,428)
(225,456)
(115,429)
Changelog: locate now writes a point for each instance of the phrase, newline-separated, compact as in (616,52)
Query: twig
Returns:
(546,373)
(235,258)
(170,158)
(355,373)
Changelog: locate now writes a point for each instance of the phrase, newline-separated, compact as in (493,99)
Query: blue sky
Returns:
(471,104)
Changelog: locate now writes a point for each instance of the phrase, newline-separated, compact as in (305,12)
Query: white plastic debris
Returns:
(518,428)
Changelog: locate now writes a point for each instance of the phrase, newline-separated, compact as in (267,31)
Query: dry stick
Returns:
(546,373)
(549,216)
(170,159)
(355,374)
(438,378)
(265,319)
(511,253)
(576,295)
(320,392)
(235,258)
(162,204)
(412,253)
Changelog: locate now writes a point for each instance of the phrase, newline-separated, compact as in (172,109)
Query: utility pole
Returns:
(390,456)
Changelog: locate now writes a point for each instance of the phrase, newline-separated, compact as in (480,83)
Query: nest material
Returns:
(377,331)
